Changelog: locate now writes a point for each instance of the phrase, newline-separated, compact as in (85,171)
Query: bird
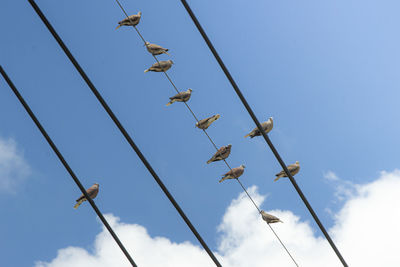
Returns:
(205,123)
(132,20)
(181,97)
(293,169)
(92,192)
(269,218)
(155,49)
(160,66)
(233,174)
(266,125)
(221,154)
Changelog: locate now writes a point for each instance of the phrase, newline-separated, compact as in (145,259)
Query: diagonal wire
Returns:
(64,162)
(253,116)
(123,131)
(205,132)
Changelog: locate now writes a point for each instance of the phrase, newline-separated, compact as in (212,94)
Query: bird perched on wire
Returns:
(92,192)
(293,169)
(205,123)
(161,66)
(155,49)
(269,218)
(266,125)
(181,97)
(132,20)
(233,174)
(221,154)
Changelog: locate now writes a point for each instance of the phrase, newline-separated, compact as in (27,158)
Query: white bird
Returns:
(162,66)
(132,20)
(181,97)
(155,49)
(221,154)
(233,174)
(293,169)
(92,192)
(205,123)
(267,127)
(269,218)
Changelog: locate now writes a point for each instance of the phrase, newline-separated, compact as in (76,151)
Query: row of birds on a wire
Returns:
(222,153)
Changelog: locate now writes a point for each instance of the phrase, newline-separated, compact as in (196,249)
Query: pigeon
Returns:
(293,169)
(205,123)
(234,173)
(181,97)
(160,67)
(221,154)
(269,218)
(155,49)
(132,20)
(266,125)
(92,192)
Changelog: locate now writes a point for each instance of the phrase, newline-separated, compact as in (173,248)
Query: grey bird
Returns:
(163,66)
(181,97)
(266,125)
(269,218)
(233,174)
(293,169)
(205,123)
(221,154)
(92,192)
(132,20)
(155,49)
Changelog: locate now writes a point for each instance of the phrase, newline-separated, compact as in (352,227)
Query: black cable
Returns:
(123,131)
(252,115)
(64,162)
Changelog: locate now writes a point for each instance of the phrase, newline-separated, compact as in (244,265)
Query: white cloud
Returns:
(13,167)
(331,176)
(366,232)
(344,189)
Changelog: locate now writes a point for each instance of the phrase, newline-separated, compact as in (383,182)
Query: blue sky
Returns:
(326,72)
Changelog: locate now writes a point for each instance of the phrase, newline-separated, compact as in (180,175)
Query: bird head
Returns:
(217,116)
(190,90)
(229,145)
(96,184)
(139,13)
(243,166)
(170,61)
(271,118)
(146,44)
(297,163)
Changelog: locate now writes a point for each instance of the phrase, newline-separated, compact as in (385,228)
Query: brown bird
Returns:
(181,97)
(164,65)
(132,20)
(267,127)
(92,192)
(205,123)
(269,218)
(221,154)
(234,173)
(155,49)
(293,169)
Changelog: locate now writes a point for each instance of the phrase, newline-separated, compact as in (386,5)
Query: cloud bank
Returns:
(366,232)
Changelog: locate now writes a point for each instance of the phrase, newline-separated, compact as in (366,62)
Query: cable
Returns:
(123,131)
(252,115)
(64,162)
(208,136)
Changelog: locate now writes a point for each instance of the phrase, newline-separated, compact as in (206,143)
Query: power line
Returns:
(123,131)
(64,162)
(205,132)
(252,115)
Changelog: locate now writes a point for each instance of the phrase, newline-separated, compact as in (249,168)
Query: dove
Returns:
(163,66)
(221,154)
(155,49)
(266,125)
(269,218)
(205,123)
(92,192)
(234,173)
(293,169)
(132,20)
(181,97)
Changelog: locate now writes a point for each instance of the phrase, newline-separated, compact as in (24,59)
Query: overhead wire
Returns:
(266,138)
(66,165)
(123,131)
(208,136)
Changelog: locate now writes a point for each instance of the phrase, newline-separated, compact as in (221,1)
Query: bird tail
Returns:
(277,178)
(169,103)
(165,52)
(209,161)
(223,179)
(118,27)
(246,135)
(147,70)
(79,203)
